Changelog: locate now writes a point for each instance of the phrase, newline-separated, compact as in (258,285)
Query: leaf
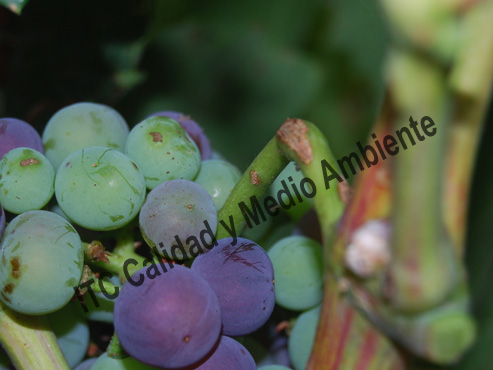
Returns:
(14,5)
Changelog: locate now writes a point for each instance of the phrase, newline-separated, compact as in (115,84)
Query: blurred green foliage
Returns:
(239,68)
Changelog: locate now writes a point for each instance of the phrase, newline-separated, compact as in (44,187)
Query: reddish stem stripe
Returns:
(344,335)
(368,349)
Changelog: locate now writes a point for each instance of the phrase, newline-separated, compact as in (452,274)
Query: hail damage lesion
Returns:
(156,137)
(293,133)
(96,252)
(29,162)
(233,254)
(16,267)
(9,288)
(254,178)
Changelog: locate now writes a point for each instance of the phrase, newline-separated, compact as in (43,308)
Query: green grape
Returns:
(302,337)
(218,156)
(163,150)
(105,362)
(298,269)
(99,188)
(55,208)
(292,176)
(218,178)
(41,262)
(72,333)
(80,126)
(26,180)
(276,233)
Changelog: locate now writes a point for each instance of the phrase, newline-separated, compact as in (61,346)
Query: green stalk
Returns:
(344,347)
(255,181)
(95,255)
(424,269)
(440,335)
(470,80)
(29,342)
(302,142)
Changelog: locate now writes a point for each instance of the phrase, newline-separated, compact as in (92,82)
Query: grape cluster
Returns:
(191,301)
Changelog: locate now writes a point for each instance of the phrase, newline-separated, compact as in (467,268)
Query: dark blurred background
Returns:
(239,68)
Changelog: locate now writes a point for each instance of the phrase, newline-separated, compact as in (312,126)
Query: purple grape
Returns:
(169,320)
(193,129)
(242,276)
(279,351)
(2,220)
(15,133)
(179,210)
(86,364)
(227,355)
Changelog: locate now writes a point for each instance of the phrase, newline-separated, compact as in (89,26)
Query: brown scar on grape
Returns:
(16,267)
(254,178)
(9,288)
(156,137)
(293,134)
(29,162)
(186,339)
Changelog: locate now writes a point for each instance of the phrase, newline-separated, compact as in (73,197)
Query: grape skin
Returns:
(72,333)
(2,220)
(104,362)
(193,129)
(83,125)
(242,276)
(177,207)
(218,178)
(273,367)
(227,355)
(86,364)
(99,188)
(15,133)
(42,258)
(302,337)
(298,267)
(172,320)
(26,180)
(163,150)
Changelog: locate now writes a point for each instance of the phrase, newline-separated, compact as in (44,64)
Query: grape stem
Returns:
(96,255)
(302,142)
(29,341)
